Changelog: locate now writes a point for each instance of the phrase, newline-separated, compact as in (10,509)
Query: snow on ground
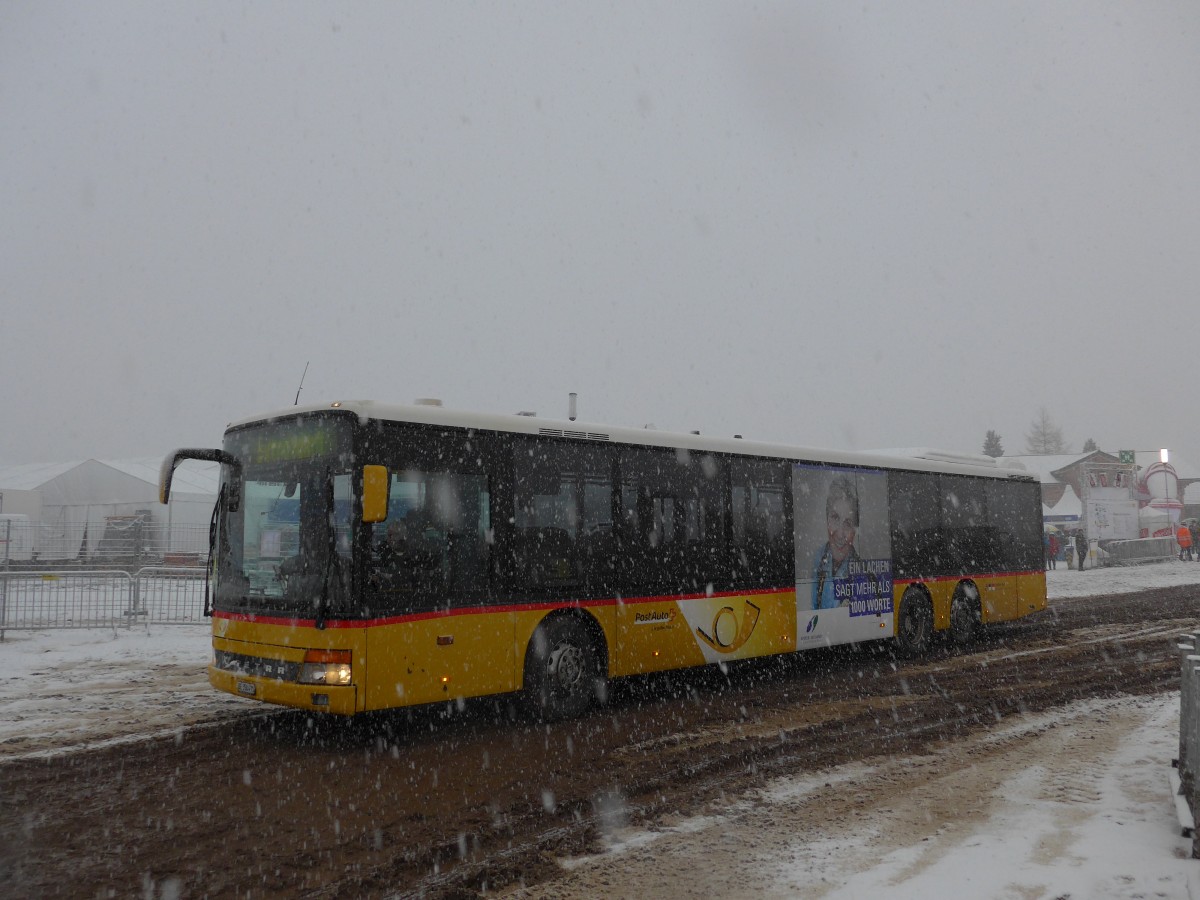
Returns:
(1071,803)
(1091,816)
(67,688)
(1068,803)
(1095,821)
(1062,582)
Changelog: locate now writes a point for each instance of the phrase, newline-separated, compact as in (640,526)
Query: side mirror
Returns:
(375,493)
(167,471)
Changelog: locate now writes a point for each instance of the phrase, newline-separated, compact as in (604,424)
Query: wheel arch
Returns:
(590,624)
(965,588)
(966,613)
(920,587)
(967,582)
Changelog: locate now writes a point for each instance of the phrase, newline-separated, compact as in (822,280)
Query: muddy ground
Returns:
(474,800)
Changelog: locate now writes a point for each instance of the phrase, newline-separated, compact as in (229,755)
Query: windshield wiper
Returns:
(212,552)
(323,603)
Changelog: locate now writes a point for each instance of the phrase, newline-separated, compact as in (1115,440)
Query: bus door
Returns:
(435,633)
(554,537)
(974,544)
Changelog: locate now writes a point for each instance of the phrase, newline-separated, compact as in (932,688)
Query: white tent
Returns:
(74,501)
(1066,512)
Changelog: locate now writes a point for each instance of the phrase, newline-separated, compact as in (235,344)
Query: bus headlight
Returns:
(326,667)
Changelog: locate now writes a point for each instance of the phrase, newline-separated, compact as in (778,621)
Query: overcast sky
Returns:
(851,225)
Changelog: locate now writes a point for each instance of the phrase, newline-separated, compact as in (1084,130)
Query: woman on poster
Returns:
(833,562)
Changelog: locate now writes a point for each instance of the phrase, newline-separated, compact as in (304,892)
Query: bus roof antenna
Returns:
(299,389)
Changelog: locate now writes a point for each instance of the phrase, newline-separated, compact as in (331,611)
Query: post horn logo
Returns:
(726,635)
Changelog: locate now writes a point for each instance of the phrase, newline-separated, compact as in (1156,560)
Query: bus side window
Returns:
(1017,531)
(762,551)
(917,545)
(964,524)
(432,550)
(561,539)
(653,539)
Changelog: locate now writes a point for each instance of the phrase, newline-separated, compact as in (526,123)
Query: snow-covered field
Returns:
(1069,803)
(1092,817)
(1063,582)
(64,689)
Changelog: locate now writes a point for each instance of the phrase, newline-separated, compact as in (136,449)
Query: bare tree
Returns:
(1045,437)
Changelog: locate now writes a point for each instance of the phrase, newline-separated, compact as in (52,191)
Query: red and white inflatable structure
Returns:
(1158,499)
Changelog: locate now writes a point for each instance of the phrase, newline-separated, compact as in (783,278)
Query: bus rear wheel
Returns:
(914,630)
(965,618)
(562,671)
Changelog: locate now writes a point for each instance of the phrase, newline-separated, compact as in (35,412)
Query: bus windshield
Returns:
(284,525)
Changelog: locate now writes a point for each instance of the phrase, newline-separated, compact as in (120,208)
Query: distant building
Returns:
(1098,490)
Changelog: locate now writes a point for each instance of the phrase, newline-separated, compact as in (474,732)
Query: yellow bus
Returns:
(367,556)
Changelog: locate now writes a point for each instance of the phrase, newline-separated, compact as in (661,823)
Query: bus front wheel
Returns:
(562,671)
(914,631)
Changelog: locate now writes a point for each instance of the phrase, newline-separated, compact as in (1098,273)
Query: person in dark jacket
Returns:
(1081,548)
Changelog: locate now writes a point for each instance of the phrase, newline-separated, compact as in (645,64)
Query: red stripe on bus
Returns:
(966,577)
(480,610)
(555,604)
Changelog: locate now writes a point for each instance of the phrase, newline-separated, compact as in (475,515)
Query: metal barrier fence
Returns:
(154,595)
(1185,776)
(118,541)
(1139,550)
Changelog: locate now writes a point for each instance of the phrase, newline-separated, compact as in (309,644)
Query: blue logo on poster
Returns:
(812,623)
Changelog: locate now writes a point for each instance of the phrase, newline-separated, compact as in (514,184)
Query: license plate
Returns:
(246,688)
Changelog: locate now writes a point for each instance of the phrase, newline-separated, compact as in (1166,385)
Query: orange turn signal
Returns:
(327,656)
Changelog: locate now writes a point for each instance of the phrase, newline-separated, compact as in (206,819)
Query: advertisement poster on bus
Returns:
(843,555)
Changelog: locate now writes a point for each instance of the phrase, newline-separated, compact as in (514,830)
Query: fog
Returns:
(867,225)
